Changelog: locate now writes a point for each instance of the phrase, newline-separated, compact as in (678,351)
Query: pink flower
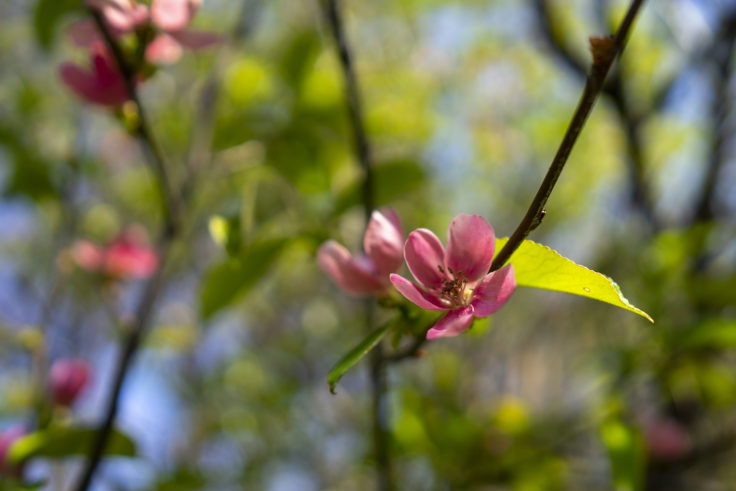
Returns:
(7,438)
(129,256)
(666,439)
(366,274)
(456,279)
(169,17)
(102,85)
(67,378)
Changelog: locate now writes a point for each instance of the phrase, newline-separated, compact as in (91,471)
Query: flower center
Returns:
(453,290)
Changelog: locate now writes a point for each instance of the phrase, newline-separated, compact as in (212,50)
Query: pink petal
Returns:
(87,255)
(163,49)
(349,274)
(127,260)
(83,32)
(416,295)
(493,291)
(173,15)
(470,245)
(453,323)
(383,242)
(103,85)
(7,438)
(197,40)
(425,258)
(67,378)
(121,15)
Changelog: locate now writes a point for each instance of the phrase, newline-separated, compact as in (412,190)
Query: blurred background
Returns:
(465,103)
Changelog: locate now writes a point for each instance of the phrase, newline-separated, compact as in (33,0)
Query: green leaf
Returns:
(712,333)
(59,442)
(626,453)
(355,354)
(234,277)
(47,15)
(538,266)
(391,180)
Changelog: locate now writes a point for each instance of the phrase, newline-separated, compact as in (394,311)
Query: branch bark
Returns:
(605,51)
(377,370)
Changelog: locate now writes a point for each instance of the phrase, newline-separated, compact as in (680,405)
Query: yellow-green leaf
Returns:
(538,266)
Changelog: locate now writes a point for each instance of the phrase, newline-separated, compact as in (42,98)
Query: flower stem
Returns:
(605,51)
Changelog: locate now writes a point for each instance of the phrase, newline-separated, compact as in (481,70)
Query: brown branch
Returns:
(605,51)
(379,384)
(143,132)
(138,327)
(721,55)
(630,120)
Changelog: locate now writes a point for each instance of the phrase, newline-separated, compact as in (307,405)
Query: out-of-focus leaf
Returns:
(346,362)
(60,442)
(232,278)
(226,232)
(538,266)
(29,175)
(47,15)
(626,453)
(714,333)
(391,180)
(10,484)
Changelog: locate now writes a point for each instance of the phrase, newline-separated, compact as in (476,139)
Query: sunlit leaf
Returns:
(538,266)
(234,277)
(60,442)
(354,356)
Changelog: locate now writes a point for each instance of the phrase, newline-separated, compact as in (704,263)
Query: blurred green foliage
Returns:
(465,104)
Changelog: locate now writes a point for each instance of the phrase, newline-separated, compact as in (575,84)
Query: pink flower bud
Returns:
(67,378)
(100,84)
(7,438)
(666,439)
(128,256)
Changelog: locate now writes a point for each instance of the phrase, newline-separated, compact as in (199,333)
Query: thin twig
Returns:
(724,46)
(142,129)
(614,89)
(136,332)
(605,52)
(355,106)
(138,327)
(379,385)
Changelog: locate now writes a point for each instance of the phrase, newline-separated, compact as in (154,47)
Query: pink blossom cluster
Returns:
(128,256)
(163,27)
(453,279)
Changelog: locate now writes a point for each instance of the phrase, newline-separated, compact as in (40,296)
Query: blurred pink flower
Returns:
(129,256)
(102,85)
(67,378)
(666,439)
(7,438)
(455,279)
(169,17)
(366,274)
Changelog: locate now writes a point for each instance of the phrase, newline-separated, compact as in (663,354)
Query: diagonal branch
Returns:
(605,51)
(630,119)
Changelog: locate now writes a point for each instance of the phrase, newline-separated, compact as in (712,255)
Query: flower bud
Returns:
(67,379)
